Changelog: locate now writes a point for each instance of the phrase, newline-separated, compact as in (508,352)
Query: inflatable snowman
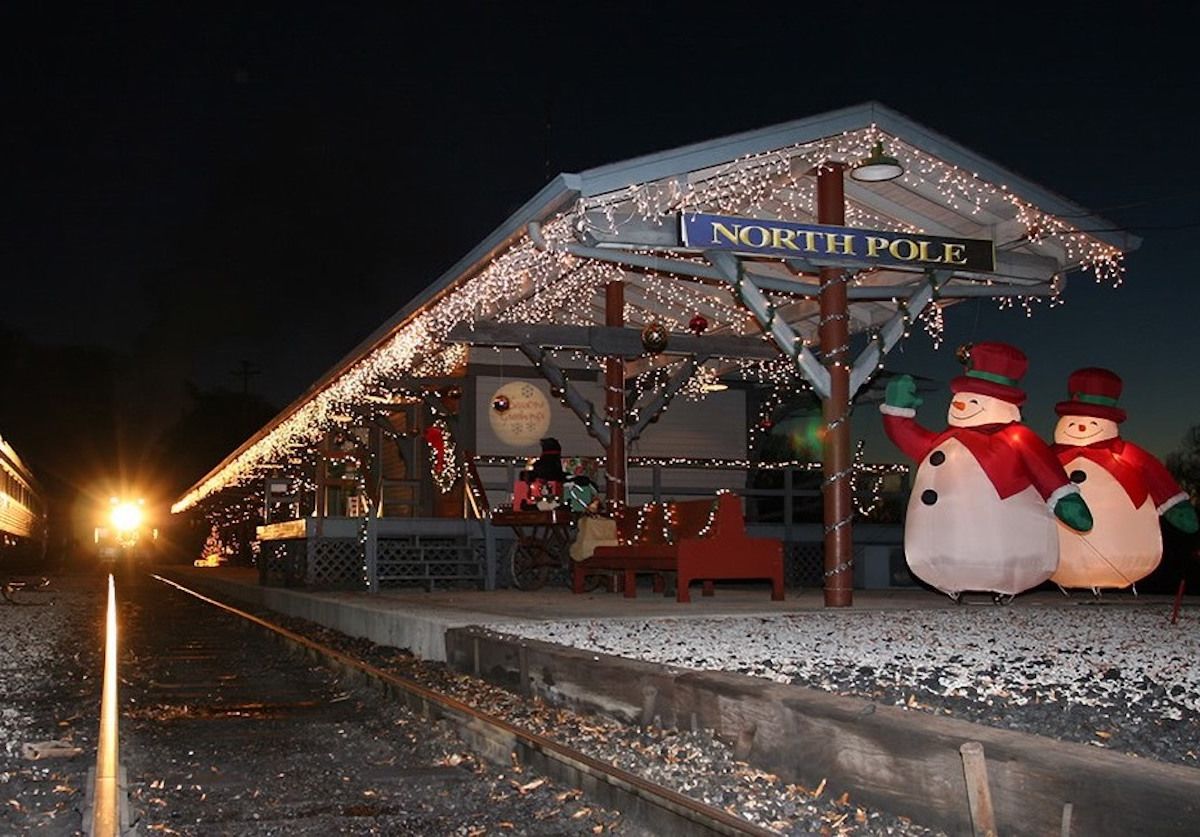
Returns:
(1125,487)
(987,489)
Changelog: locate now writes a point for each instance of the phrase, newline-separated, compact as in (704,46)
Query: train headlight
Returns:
(126,517)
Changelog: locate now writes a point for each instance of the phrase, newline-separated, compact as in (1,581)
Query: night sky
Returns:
(269,184)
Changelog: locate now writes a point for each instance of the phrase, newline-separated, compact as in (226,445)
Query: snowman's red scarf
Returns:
(1011,455)
(1126,462)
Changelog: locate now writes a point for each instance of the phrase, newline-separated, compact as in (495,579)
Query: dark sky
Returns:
(270,183)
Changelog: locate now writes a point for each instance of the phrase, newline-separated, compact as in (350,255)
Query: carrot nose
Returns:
(959,405)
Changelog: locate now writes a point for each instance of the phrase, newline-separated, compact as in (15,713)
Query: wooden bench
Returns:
(696,540)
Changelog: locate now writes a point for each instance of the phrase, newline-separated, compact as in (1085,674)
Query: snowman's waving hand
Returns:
(901,392)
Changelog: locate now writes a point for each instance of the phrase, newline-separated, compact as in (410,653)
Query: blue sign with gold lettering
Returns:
(824,243)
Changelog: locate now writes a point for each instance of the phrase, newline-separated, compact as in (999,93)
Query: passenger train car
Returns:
(22,508)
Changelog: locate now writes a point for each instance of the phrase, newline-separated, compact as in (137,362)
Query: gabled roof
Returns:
(950,190)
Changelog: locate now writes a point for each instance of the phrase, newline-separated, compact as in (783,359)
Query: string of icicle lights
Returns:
(524,284)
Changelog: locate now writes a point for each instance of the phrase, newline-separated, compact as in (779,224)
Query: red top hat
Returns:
(1093,392)
(994,369)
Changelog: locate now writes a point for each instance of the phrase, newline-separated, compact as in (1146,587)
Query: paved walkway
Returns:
(418,620)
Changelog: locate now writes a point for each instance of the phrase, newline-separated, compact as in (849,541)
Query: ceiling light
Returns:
(878,167)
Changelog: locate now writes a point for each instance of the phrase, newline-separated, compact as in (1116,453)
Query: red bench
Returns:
(697,540)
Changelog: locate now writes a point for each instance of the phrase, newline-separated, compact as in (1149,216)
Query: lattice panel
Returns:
(430,562)
(281,563)
(336,562)
(804,563)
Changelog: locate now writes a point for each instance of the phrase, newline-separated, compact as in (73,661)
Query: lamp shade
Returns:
(878,167)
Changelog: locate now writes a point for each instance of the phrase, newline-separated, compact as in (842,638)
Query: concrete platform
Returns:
(887,756)
(418,620)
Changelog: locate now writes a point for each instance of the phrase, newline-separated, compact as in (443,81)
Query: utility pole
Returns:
(247,370)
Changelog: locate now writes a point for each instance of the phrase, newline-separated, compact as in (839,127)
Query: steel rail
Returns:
(106,788)
(685,815)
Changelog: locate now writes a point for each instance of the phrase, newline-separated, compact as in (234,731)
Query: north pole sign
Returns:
(823,243)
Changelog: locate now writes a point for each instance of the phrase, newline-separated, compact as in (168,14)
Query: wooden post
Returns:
(320,507)
(979,795)
(834,332)
(614,400)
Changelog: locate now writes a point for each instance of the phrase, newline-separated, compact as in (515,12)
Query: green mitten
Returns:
(1073,511)
(902,392)
(1183,517)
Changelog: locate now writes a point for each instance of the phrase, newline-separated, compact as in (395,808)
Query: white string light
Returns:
(526,284)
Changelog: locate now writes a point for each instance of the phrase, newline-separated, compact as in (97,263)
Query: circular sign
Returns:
(527,418)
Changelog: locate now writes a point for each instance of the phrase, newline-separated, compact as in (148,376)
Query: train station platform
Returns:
(418,620)
(864,698)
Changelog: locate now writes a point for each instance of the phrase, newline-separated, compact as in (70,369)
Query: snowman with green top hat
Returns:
(1126,488)
(987,490)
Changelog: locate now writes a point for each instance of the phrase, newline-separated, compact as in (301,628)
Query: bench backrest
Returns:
(670,522)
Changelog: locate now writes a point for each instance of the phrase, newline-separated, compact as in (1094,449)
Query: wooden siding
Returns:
(712,428)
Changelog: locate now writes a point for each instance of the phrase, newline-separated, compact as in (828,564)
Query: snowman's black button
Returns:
(1078,476)
(937,457)
(929,496)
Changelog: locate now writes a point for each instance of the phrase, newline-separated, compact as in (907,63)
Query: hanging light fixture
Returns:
(878,167)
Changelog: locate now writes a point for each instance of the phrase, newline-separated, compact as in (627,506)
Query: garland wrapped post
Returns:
(443,455)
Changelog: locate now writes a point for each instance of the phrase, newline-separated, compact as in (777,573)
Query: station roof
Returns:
(946,190)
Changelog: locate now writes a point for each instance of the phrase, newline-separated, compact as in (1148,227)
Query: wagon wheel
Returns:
(530,563)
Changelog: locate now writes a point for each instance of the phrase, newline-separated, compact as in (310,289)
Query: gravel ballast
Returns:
(50,653)
(1119,676)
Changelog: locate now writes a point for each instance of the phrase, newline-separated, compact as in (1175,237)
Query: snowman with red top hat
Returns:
(1126,488)
(981,516)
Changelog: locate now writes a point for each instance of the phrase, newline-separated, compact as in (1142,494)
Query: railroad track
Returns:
(645,806)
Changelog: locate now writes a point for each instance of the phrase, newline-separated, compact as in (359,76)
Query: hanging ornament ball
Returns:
(698,324)
(766,423)
(654,338)
(963,353)
(500,403)
(454,392)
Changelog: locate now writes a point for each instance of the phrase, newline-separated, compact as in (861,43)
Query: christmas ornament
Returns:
(454,392)
(986,490)
(500,403)
(1126,488)
(963,354)
(698,324)
(654,338)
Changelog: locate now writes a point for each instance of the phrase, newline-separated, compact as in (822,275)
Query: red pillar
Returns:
(614,400)
(834,334)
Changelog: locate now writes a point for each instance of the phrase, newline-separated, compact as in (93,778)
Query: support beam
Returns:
(768,317)
(658,264)
(1011,267)
(885,293)
(615,485)
(580,406)
(888,336)
(660,402)
(607,341)
(836,463)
